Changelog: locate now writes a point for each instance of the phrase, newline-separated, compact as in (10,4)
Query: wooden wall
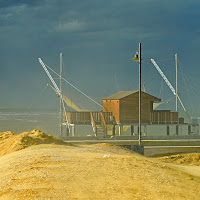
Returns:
(112,106)
(129,108)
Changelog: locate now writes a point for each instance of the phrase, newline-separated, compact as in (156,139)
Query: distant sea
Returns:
(21,120)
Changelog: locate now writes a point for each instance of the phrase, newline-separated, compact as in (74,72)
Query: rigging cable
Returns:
(74,86)
(69,99)
(186,87)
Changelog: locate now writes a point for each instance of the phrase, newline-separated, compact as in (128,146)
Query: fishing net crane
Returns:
(169,85)
(56,89)
(63,98)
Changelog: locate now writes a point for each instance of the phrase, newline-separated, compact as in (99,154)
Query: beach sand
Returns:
(34,165)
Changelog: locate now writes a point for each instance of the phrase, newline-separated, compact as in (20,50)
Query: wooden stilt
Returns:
(67,131)
(168,130)
(176,129)
(120,130)
(113,130)
(73,130)
(189,129)
(145,130)
(132,130)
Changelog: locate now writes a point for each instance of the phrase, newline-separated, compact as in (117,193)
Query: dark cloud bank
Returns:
(98,39)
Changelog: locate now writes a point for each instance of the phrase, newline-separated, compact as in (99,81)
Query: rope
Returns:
(74,87)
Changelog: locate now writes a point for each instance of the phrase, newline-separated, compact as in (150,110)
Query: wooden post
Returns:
(67,131)
(189,130)
(73,130)
(120,130)
(113,130)
(176,129)
(132,130)
(145,130)
(168,130)
(181,130)
(171,117)
(150,118)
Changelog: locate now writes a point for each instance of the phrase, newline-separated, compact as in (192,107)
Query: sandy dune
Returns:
(38,166)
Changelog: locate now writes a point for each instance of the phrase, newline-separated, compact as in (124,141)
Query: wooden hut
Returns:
(121,109)
(124,106)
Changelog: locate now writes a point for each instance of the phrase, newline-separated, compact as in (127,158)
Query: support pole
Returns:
(168,130)
(67,131)
(140,62)
(113,130)
(189,130)
(177,129)
(145,130)
(181,128)
(120,130)
(73,130)
(176,82)
(132,130)
(61,116)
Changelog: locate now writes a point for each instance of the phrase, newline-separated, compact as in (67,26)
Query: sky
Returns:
(98,38)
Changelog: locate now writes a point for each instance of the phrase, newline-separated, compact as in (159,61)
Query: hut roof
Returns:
(123,94)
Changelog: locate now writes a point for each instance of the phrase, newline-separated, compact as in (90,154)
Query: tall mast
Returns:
(61,132)
(176,82)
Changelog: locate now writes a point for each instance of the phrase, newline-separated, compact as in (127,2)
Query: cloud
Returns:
(71,26)
(95,37)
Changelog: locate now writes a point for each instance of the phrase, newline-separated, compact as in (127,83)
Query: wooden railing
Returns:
(85,117)
(103,123)
(163,117)
(93,124)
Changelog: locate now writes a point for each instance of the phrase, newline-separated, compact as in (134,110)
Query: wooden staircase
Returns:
(99,127)
(98,120)
(100,131)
